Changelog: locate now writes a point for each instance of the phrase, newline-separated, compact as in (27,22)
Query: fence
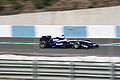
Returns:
(59,69)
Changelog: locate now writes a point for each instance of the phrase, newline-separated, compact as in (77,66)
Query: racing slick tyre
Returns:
(77,45)
(96,46)
(43,44)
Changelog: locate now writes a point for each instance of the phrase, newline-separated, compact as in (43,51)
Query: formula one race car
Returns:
(47,41)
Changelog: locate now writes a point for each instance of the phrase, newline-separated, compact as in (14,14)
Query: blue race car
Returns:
(47,41)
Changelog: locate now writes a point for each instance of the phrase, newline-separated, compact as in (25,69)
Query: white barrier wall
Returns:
(5,31)
(69,31)
(96,16)
(99,31)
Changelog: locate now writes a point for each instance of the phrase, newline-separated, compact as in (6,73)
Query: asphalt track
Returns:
(34,48)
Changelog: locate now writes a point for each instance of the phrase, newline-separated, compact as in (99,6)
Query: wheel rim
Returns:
(42,45)
(76,46)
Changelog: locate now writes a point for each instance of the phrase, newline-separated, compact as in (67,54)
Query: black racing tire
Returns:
(76,45)
(43,44)
(97,46)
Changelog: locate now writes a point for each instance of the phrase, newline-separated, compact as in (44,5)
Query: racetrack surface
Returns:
(34,48)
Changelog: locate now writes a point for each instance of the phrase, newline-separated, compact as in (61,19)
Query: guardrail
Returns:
(59,70)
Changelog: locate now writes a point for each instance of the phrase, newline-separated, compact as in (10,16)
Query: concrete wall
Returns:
(69,31)
(96,16)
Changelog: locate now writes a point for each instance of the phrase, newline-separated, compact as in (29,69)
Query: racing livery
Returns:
(47,41)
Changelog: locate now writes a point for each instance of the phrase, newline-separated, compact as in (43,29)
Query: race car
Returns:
(48,41)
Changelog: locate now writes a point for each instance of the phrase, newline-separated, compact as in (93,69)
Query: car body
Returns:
(47,41)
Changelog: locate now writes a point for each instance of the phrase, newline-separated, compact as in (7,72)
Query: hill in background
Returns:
(9,7)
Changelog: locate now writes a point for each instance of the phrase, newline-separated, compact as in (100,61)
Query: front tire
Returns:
(96,46)
(77,45)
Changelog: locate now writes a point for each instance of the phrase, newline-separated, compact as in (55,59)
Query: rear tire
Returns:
(43,44)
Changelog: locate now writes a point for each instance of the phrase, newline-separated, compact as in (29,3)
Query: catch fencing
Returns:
(59,70)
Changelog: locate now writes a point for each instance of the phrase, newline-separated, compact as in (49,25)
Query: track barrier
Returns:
(69,31)
(59,69)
